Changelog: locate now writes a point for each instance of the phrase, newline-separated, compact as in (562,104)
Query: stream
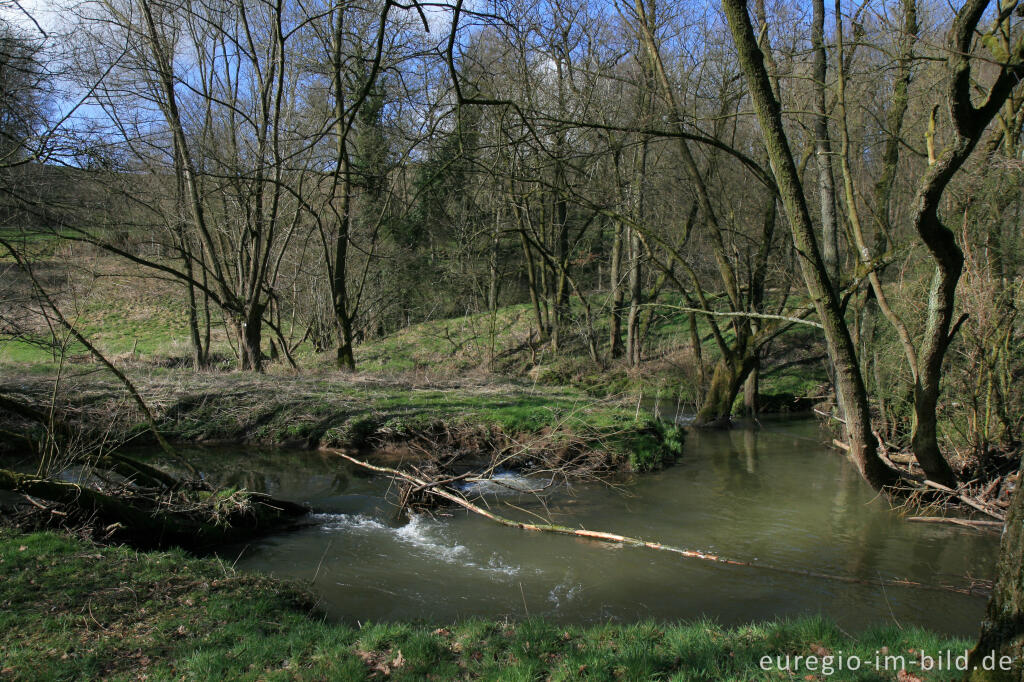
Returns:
(771,495)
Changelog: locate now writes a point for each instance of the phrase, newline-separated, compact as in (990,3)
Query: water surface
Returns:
(773,495)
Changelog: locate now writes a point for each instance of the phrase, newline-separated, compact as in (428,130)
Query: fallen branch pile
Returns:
(917,484)
(155,516)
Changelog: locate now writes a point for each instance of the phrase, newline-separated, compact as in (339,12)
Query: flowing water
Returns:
(772,495)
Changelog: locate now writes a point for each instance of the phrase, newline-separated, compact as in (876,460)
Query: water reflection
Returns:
(771,494)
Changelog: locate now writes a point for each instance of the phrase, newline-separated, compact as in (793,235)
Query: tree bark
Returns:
(849,382)
(615,321)
(1002,630)
(823,148)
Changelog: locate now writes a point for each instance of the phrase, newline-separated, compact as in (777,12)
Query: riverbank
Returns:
(130,614)
(559,426)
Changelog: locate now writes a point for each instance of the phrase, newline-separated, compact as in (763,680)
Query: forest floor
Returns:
(70,609)
(140,322)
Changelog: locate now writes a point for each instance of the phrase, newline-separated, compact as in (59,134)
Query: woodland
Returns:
(736,208)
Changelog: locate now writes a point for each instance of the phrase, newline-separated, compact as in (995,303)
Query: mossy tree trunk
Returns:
(968,125)
(849,382)
(730,375)
(1002,631)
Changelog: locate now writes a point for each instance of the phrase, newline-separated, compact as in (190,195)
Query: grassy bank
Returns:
(333,410)
(70,609)
(139,320)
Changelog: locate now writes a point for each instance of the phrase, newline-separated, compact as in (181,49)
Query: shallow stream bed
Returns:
(772,495)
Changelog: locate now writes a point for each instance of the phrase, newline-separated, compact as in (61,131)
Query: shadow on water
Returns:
(769,493)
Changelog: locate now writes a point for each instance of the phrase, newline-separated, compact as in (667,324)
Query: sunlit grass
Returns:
(74,610)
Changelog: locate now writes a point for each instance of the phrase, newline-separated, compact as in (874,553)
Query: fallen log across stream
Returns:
(980,588)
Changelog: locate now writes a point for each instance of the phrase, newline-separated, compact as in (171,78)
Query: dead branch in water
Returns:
(967,523)
(967,500)
(914,481)
(602,536)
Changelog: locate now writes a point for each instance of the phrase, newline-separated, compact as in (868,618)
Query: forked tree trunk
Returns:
(969,124)
(726,381)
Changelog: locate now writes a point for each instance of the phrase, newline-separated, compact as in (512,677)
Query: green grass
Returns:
(75,610)
(337,410)
(145,320)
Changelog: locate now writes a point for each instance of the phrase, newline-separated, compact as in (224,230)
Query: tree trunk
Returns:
(849,382)
(698,351)
(1002,630)
(198,354)
(492,264)
(615,322)
(924,436)
(339,285)
(635,299)
(823,149)
(969,123)
(156,525)
(531,280)
(343,177)
(751,390)
(560,215)
(729,375)
(250,336)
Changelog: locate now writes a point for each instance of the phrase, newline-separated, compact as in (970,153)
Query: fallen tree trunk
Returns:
(602,536)
(158,519)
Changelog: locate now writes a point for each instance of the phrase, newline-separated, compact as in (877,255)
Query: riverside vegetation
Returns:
(72,610)
(465,239)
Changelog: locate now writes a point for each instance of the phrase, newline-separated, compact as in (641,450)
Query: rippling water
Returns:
(772,495)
